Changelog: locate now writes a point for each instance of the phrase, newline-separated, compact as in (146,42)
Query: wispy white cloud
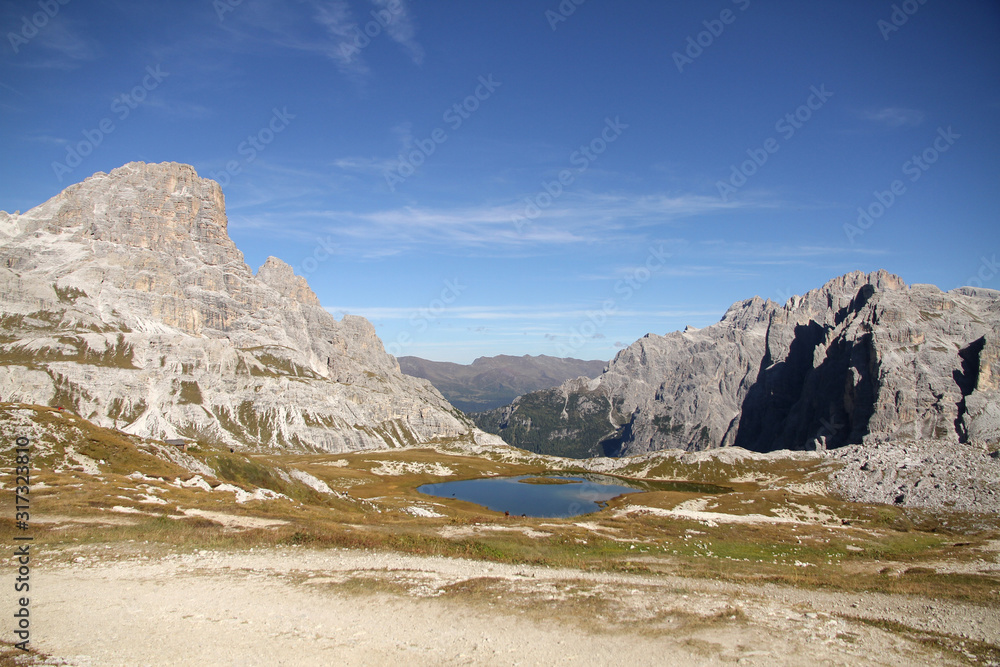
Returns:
(347,37)
(895,116)
(332,29)
(13,90)
(578,219)
(364,165)
(404,134)
(46,139)
(779,253)
(266,185)
(582,218)
(370,165)
(401,28)
(179,109)
(733,259)
(336,18)
(61,44)
(508,313)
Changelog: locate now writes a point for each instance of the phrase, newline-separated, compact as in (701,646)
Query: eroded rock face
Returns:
(866,358)
(124,299)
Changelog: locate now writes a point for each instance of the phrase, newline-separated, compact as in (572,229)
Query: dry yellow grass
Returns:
(845,546)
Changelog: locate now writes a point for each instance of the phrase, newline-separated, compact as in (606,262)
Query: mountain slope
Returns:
(124,299)
(865,358)
(490,382)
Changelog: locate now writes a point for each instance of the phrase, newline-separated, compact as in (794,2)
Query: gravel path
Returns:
(301,607)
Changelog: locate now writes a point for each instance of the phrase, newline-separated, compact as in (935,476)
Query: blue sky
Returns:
(535,177)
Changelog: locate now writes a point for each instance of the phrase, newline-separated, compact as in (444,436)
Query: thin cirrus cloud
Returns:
(370,165)
(583,218)
(770,253)
(336,19)
(507,313)
(61,45)
(350,36)
(401,29)
(46,139)
(364,165)
(896,116)
(334,29)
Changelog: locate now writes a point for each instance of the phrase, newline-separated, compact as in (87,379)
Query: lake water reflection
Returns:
(552,496)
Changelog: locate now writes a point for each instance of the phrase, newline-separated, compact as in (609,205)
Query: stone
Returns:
(964,477)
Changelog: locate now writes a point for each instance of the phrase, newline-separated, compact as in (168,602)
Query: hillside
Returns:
(864,359)
(490,382)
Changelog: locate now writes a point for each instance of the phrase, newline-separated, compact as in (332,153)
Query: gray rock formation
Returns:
(932,474)
(124,299)
(866,358)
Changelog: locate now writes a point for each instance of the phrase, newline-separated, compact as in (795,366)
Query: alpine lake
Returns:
(555,495)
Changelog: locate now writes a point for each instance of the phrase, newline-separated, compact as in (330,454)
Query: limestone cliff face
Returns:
(865,358)
(124,299)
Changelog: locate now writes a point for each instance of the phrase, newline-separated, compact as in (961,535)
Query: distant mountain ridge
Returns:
(124,300)
(864,359)
(490,382)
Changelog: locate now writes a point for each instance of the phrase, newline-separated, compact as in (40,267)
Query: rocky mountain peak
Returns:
(124,299)
(163,208)
(862,359)
(850,283)
(279,275)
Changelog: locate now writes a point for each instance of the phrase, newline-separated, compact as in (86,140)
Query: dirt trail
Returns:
(301,607)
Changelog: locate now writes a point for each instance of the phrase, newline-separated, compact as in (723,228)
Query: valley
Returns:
(491,382)
(201,456)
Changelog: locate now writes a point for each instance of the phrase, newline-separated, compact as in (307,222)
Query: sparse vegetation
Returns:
(965,650)
(830,546)
(11,656)
(536,423)
(845,546)
(69,294)
(547,480)
(190,393)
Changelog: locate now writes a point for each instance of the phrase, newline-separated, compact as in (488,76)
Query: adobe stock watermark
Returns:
(784,296)
(362,36)
(914,168)
(454,116)
(31,25)
(581,159)
(988,270)
(625,288)
(420,320)
(900,14)
(786,126)
(324,249)
(253,145)
(121,106)
(828,429)
(714,28)
(562,12)
(223,7)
